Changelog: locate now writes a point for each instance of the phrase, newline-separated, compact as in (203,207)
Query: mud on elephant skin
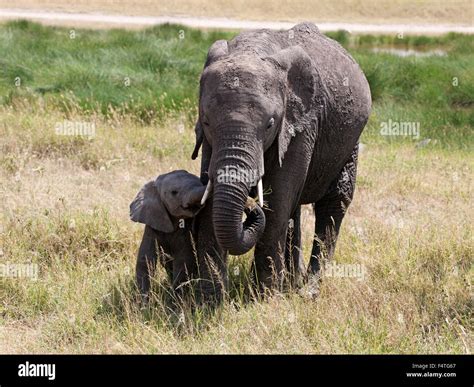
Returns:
(287,107)
(166,206)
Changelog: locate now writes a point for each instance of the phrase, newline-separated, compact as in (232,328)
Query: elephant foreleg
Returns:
(146,260)
(184,262)
(211,261)
(272,258)
(269,267)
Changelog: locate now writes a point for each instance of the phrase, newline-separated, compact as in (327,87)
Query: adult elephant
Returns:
(287,109)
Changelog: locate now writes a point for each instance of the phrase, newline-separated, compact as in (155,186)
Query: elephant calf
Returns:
(166,206)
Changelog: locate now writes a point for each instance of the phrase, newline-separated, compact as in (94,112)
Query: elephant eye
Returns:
(174,192)
(270,123)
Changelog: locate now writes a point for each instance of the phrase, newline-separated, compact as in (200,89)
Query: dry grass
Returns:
(393,11)
(64,205)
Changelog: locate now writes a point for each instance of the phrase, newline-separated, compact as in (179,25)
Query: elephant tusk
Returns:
(206,192)
(260,192)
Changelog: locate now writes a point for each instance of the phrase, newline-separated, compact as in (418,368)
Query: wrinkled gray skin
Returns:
(166,206)
(291,106)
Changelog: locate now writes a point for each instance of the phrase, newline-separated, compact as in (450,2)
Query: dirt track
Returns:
(104,20)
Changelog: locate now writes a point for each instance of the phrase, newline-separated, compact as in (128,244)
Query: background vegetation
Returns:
(155,72)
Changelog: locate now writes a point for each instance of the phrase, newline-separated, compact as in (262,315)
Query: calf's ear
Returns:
(148,208)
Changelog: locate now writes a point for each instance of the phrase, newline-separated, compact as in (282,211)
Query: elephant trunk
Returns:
(236,169)
(194,197)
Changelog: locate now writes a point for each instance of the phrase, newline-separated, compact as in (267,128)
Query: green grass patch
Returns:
(154,72)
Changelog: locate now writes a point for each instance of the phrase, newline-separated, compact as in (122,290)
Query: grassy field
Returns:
(64,202)
(384,11)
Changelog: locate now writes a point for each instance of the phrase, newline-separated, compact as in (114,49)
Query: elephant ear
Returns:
(148,208)
(304,95)
(218,49)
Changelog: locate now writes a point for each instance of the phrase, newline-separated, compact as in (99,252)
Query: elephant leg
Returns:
(329,213)
(293,252)
(181,273)
(146,260)
(269,267)
(286,185)
(211,261)
(184,263)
